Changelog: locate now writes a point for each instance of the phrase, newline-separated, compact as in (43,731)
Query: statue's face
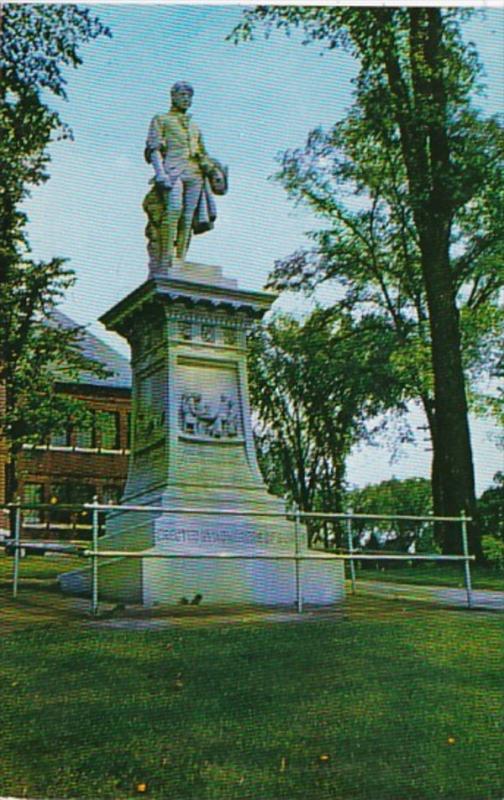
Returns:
(182,99)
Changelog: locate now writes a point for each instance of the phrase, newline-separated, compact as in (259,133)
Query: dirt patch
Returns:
(138,618)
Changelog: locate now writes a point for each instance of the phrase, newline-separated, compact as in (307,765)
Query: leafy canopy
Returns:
(38,43)
(316,388)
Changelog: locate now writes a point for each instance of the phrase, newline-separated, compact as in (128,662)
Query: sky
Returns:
(251,102)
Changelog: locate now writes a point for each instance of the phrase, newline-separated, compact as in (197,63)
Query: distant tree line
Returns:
(318,388)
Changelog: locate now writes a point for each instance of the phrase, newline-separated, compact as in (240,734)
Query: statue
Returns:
(181,200)
(190,410)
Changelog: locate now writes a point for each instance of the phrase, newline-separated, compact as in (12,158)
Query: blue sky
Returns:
(251,102)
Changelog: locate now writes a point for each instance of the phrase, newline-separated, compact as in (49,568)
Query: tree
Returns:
(426,163)
(37,43)
(316,387)
(491,514)
(373,255)
(491,507)
(409,497)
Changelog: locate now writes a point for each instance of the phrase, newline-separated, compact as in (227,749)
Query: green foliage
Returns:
(493,551)
(422,244)
(491,509)
(316,388)
(38,42)
(38,356)
(372,253)
(409,497)
(491,520)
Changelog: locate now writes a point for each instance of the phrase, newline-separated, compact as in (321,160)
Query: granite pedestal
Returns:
(193,449)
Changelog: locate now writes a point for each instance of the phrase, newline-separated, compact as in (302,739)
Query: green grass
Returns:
(431,574)
(46,568)
(403,703)
(38,568)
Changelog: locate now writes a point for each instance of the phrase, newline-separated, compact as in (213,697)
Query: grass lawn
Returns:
(432,574)
(386,701)
(33,569)
(46,568)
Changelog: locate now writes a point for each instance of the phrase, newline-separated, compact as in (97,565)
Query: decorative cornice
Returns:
(222,318)
(195,296)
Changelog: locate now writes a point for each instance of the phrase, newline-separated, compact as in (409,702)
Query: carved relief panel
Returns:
(209,403)
(149,410)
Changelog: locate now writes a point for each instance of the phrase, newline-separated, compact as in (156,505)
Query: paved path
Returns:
(484,599)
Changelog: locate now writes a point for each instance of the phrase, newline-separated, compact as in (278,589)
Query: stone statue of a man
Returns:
(181,200)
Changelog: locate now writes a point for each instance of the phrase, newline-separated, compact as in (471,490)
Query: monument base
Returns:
(211,560)
(193,449)
(212,582)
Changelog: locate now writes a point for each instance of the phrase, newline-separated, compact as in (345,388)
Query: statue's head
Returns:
(182,95)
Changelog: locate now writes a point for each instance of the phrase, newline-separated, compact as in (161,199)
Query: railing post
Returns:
(467,566)
(17,546)
(299,588)
(350,548)
(94,561)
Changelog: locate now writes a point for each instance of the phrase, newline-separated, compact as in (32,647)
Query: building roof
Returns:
(97,350)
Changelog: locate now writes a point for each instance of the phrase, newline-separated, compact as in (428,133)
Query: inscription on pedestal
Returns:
(212,536)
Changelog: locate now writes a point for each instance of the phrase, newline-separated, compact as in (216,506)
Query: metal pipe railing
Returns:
(94,563)
(467,569)
(229,511)
(283,514)
(351,550)
(17,551)
(299,595)
(292,557)
(352,556)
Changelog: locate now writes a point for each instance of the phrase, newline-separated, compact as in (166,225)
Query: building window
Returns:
(33,494)
(107,426)
(84,435)
(60,438)
(112,494)
(71,494)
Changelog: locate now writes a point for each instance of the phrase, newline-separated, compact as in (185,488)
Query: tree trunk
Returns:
(422,116)
(438,505)
(8,477)
(454,470)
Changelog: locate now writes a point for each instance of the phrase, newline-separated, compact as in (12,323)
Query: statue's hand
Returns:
(164,181)
(218,181)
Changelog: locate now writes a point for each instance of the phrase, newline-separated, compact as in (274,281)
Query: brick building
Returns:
(75,464)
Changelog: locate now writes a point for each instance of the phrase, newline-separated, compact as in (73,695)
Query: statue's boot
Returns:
(183,240)
(168,234)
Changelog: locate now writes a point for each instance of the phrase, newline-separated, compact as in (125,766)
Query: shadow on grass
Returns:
(364,707)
